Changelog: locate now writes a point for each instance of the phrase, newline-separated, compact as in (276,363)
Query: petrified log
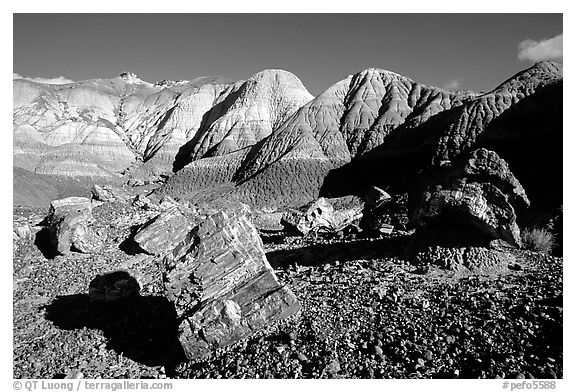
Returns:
(164,232)
(329,215)
(70,226)
(478,192)
(218,278)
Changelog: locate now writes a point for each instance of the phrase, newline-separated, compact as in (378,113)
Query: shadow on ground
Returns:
(129,245)
(362,249)
(42,242)
(142,328)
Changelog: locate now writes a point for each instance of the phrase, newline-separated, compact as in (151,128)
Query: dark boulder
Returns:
(113,286)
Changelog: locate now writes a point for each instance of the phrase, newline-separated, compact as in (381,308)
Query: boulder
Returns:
(479,205)
(108,193)
(477,191)
(21,230)
(69,204)
(70,226)
(326,215)
(221,283)
(483,165)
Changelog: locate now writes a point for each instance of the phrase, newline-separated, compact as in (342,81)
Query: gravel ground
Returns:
(366,313)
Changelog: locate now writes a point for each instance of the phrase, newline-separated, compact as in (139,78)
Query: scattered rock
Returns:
(472,258)
(144,203)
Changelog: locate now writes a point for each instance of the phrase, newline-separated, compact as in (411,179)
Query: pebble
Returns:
(74,374)
(378,351)
(429,355)
(301,357)
(333,367)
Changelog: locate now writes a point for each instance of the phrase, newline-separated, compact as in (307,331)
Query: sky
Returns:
(457,51)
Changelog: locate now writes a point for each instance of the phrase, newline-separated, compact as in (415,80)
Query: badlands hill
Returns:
(380,128)
(521,120)
(104,128)
(268,142)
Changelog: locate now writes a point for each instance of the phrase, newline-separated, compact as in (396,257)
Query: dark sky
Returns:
(468,51)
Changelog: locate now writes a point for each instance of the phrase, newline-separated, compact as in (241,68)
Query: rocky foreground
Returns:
(365,311)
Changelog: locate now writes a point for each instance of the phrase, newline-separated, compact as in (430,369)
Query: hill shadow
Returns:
(142,328)
(183,156)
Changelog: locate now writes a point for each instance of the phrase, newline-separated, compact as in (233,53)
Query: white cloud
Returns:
(545,49)
(58,80)
(453,84)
